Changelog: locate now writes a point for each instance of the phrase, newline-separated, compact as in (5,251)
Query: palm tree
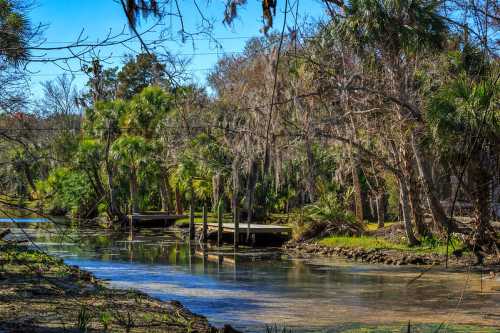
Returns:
(464,121)
(131,153)
(395,28)
(103,121)
(145,110)
(143,115)
(20,174)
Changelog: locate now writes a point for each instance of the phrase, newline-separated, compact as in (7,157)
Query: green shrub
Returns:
(67,191)
(328,216)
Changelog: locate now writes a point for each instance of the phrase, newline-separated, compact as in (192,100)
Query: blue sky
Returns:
(66,19)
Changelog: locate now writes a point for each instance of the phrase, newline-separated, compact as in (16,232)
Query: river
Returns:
(259,287)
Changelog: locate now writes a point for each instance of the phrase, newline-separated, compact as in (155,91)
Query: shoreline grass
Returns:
(375,243)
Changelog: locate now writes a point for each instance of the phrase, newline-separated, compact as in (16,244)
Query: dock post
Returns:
(130,227)
(191,223)
(219,222)
(236,221)
(205,224)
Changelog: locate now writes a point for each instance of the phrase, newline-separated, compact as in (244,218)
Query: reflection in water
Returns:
(255,286)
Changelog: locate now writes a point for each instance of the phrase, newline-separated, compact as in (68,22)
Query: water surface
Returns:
(22,220)
(263,286)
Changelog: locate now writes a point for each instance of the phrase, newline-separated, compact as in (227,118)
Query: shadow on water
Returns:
(254,287)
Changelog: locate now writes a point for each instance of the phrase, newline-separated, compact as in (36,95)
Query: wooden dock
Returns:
(148,216)
(254,228)
(152,219)
(238,231)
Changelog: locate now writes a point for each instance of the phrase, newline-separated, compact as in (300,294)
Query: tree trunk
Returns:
(98,181)
(234,198)
(133,192)
(113,210)
(358,195)
(252,180)
(484,240)
(92,182)
(178,201)
(413,193)
(164,196)
(405,208)
(236,183)
(165,192)
(437,211)
(220,213)
(29,178)
(310,172)
(217,189)
(380,204)
(191,210)
(416,208)
(371,206)
(170,193)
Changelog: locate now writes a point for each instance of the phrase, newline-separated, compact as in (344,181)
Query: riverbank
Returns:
(39,293)
(375,256)
(387,245)
(362,249)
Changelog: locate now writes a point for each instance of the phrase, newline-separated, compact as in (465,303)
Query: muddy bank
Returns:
(380,256)
(39,293)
